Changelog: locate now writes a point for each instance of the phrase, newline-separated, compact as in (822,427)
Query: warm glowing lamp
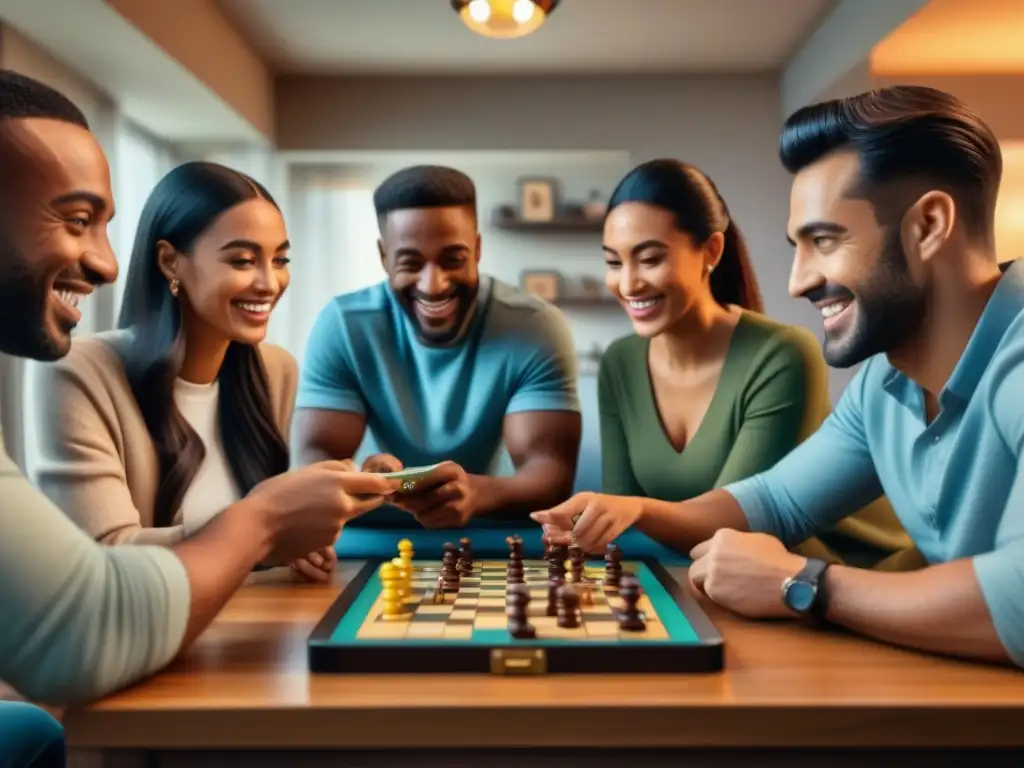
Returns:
(504,18)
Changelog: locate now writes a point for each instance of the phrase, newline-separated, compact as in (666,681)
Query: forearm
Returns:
(218,559)
(539,483)
(683,525)
(140,536)
(939,609)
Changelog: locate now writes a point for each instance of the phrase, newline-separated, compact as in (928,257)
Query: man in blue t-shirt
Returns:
(444,366)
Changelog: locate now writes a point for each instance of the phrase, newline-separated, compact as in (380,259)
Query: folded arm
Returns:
(939,609)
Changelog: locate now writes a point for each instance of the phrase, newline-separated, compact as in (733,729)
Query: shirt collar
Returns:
(1004,306)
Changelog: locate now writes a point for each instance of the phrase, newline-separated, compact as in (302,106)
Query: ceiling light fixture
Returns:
(504,18)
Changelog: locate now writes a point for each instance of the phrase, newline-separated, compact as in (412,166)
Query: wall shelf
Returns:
(561,224)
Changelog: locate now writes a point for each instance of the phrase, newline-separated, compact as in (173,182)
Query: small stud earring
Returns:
(174,286)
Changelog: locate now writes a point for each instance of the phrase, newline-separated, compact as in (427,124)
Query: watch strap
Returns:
(814,572)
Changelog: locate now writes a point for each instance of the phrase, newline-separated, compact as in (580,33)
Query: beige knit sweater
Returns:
(97,461)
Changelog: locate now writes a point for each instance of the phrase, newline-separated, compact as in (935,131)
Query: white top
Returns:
(214,488)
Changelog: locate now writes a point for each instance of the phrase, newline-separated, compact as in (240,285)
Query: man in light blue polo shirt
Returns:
(443,365)
(891,216)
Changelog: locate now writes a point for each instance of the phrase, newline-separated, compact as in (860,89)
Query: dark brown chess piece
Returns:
(568,607)
(557,554)
(612,565)
(514,572)
(576,560)
(630,617)
(515,547)
(465,556)
(554,584)
(517,601)
(450,569)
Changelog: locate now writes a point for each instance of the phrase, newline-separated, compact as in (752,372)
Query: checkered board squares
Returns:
(479,605)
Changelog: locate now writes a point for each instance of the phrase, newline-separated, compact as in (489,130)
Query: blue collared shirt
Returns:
(957,484)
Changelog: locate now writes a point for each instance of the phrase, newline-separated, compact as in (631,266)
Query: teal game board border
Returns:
(693,644)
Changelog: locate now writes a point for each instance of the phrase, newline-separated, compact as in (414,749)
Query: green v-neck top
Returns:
(771,395)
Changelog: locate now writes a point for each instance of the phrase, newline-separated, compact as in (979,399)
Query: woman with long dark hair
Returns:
(707,390)
(179,413)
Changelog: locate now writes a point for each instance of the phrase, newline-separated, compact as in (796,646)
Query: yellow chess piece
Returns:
(404,577)
(391,593)
(405,551)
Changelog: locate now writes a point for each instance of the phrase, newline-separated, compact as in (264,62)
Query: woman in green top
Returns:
(708,391)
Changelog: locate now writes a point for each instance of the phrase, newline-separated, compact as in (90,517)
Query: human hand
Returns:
(744,572)
(304,510)
(444,500)
(382,462)
(591,520)
(316,566)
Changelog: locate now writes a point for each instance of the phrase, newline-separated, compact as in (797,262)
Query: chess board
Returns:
(468,631)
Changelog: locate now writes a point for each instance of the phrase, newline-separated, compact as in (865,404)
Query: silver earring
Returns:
(174,286)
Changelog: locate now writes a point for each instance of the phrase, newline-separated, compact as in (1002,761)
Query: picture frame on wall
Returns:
(538,199)
(543,284)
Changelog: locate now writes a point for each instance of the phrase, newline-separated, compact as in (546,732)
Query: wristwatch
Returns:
(804,593)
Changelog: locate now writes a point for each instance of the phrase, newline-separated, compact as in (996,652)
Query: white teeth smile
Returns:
(254,308)
(68,297)
(435,307)
(644,304)
(831,310)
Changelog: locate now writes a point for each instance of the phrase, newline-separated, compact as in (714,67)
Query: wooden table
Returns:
(245,687)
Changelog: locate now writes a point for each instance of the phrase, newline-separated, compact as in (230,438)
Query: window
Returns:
(333,230)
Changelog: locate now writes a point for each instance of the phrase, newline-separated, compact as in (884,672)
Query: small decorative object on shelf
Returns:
(543,284)
(538,199)
(595,208)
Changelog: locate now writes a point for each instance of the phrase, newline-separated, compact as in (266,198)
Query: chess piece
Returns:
(514,572)
(576,562)
(630,617)
(515,547)
(554,584)
(612,565)
(586,588)
(568,607)
(405,550)
(439,590)
(517,602)
(450,569)
(557,554)
(404,577)
(391,593)
(465,557)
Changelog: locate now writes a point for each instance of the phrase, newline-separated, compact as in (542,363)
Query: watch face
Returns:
(800,596)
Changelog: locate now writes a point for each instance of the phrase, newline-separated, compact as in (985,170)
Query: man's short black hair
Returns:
(424,186)
(23,97)
(905,133)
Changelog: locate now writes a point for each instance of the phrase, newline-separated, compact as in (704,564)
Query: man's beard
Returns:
(24,297)
(889,308)
(464,295)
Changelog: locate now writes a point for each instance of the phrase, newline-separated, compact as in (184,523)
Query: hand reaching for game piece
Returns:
(444,500)
(591,520)
(316,566)
(304,510)
(744,572)
(383,462)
